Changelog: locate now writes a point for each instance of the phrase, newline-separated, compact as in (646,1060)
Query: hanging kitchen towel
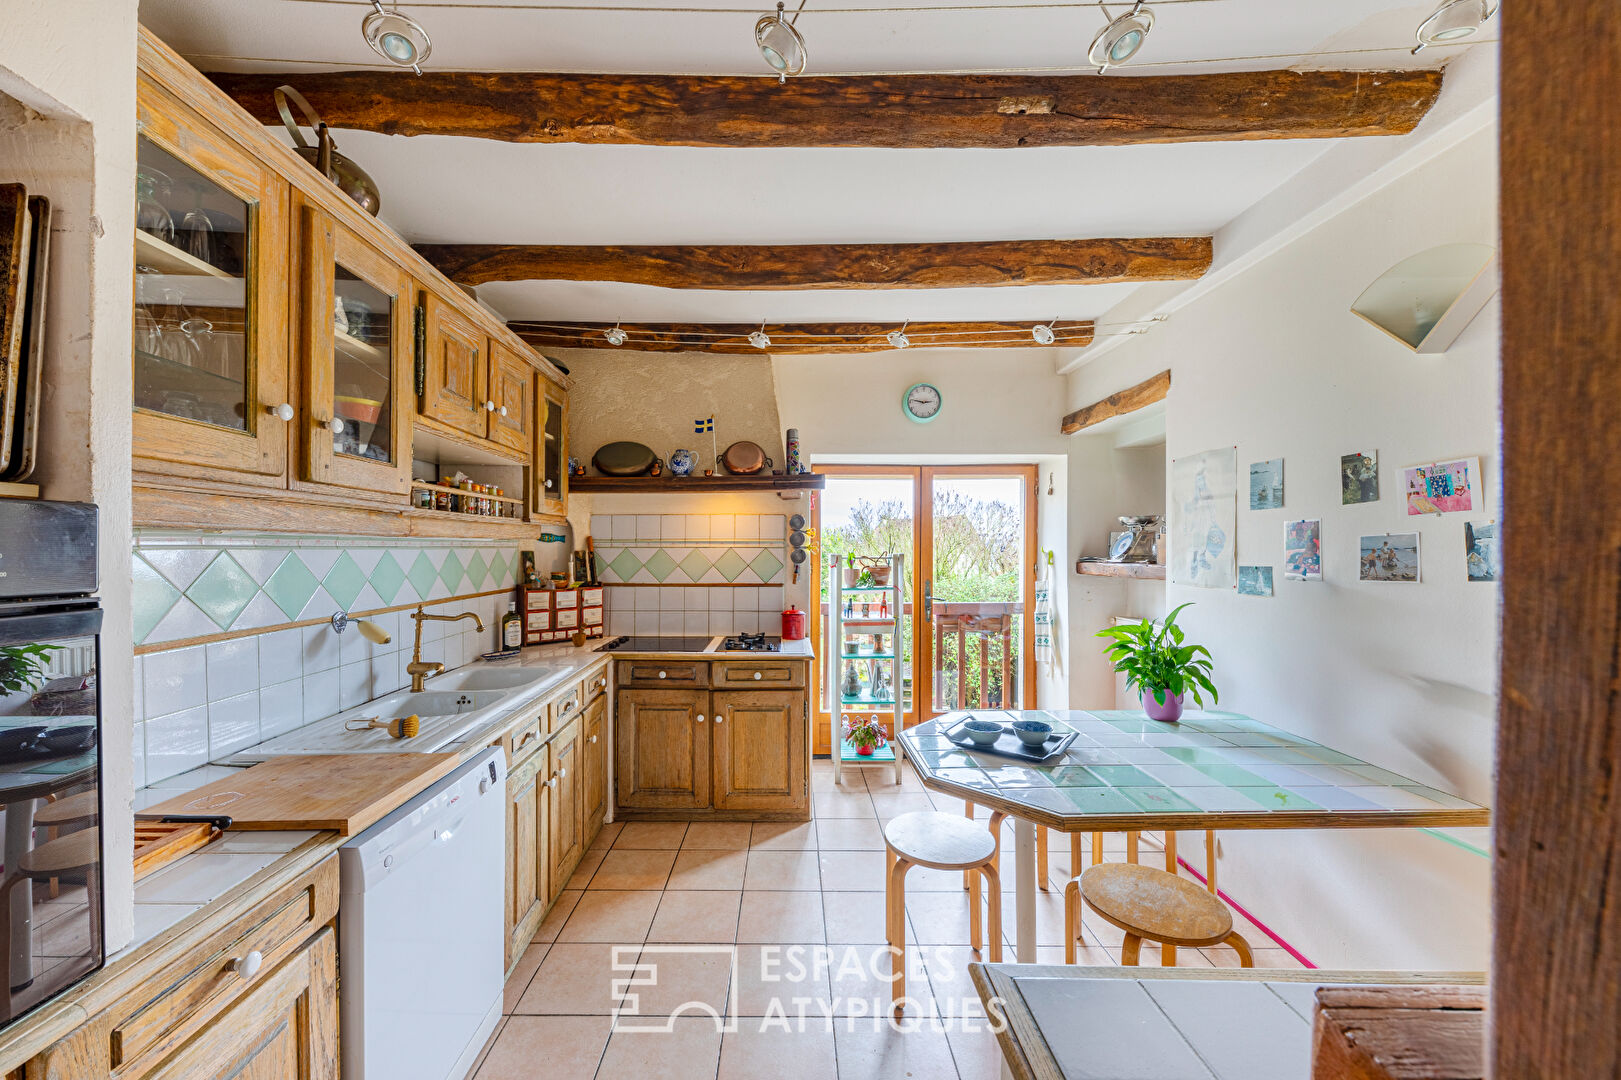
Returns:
(1044,615)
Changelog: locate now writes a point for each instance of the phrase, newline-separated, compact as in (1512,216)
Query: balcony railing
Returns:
(977,649)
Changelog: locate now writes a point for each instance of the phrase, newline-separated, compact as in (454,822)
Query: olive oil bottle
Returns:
(511,627)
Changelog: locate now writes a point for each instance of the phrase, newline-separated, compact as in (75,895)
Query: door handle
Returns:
(928,601)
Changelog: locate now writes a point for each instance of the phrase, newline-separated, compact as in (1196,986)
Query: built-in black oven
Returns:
(51,899)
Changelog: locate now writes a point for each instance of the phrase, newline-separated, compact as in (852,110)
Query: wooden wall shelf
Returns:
(1143,571)
(697,485)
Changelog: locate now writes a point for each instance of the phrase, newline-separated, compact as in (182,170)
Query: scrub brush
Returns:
(404,728)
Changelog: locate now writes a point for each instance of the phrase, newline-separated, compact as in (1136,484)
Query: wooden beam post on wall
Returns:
(1125,401)
(733,338)
(1556,958)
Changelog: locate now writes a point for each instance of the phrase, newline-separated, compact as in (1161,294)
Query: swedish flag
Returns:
(703,427)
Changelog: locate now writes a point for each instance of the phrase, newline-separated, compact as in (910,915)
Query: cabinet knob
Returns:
(700,718)
(248,966)
(502,409)
(548,484)
(489,406)
(333,425)
(568,706)
(661,674)
(561,773)
(717,718)
(552,782)
(593,740)
(758,676)
(283,411)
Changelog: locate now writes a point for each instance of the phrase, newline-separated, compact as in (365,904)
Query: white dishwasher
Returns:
(420,948)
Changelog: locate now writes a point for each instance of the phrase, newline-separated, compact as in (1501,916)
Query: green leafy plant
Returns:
(863,731)
(1156,660)
(22,667)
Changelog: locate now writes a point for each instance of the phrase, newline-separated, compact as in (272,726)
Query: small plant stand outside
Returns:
(865,601)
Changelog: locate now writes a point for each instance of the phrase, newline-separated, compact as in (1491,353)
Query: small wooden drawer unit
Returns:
(566,706)
(596,684)
(739,674)
(655,674)
(526,738)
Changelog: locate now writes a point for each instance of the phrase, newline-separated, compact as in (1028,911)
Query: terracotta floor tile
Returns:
(674,980)
(855,918)
(577,980)
(842,804)
(707,917)
(604,915)
(656,835)
(1049,918)
(588,866)
(903,803)
(558,1047)
(607,835)
(849,834)
(882,781)
(688,1050)
(489,1044)
(859,977)
(552,924)
(781,1055)
(953,990)
(633,869)
(698,868)
(786,871)
(975,1050)
(781,980)
(772,917)
(876,1050)
(940,918)
(522,972)
(927,879)
(718,835)
(1225,957)
(853,871)
(783,836)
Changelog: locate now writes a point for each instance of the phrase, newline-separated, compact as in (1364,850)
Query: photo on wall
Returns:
(1359,478)
(1444,487)
(1480,550)
(1389,557)
(1303,550)
(1204,515)
(1266,485)
(1254,581)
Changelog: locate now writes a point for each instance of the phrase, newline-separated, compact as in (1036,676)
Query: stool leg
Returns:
(1246,958)
(1129,950)
(974,887)
(1072,918)
(897,932)
(993,883)
(1167,953)
(1097,848)
(1041,859)
(1210,860)
(968,875)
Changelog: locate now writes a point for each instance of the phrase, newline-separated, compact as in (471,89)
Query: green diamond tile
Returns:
(151,598)
(223,590)
(625,565)
(766,565)
(387,577)
(477,568)
(422,575)
(695,565)
(291,586)
(730,564)
(451,573)
(344,581)
(661,566)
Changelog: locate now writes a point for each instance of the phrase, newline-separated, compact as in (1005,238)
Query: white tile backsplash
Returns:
(233,668)
(175,681)
(321,650)
(176,742)
(281,708)
(233,724)
(321,695)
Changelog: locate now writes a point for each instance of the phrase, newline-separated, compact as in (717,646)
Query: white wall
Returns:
(71,66)
(1402,675)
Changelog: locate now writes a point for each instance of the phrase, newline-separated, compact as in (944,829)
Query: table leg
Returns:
(1167,953)
(1024,872)
(19,841)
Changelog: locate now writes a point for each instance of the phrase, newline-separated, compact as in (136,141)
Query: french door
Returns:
(968,533)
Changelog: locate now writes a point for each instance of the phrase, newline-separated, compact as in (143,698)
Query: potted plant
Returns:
(850,574)
(1158,664)
(863,732)
(23,667)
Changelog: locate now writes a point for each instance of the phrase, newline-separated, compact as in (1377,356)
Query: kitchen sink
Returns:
(481,677)
(434,702)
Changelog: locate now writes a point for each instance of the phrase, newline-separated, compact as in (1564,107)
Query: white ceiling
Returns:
(441,189)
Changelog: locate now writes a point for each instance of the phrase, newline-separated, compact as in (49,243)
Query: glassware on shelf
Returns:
(199,231)
(151,216)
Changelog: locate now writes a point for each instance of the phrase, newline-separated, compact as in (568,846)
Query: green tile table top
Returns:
(1212,770)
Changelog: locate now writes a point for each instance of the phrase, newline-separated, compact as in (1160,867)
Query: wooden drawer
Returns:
(596,684)
(655,674)
(525,739)
(743,674)
(567,705)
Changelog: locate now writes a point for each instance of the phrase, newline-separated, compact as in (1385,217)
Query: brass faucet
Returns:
(421,670)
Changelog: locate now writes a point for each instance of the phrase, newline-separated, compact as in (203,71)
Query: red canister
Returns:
(793,624)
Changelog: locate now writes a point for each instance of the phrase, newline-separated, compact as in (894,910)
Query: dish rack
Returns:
(874,610)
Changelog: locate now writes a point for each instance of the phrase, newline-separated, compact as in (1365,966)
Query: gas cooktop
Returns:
(751,643)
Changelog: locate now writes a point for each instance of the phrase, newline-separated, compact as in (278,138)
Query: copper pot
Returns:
(350,178)
(744,459)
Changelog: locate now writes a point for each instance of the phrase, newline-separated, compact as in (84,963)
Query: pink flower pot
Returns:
(864,751)
(1170,712)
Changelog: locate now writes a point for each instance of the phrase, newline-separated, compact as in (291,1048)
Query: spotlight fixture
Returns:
(395,37)
(1119,41)
(759,339)
(1453,21)
(1043,332)
(615,336)
(898,338)
(782,46)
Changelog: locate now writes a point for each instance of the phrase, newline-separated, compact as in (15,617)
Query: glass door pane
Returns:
(192,319)
(362,367)
(976,592)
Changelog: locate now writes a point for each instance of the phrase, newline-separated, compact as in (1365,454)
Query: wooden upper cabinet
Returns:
(761,749)
(512,393)
(355,423)
(210,342)
(551,450)
(457,373)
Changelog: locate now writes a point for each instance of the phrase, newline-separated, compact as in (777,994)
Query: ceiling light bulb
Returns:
(759,339)
(1043,333)
(1119,41)
(898,338)
(395,37)
(1453,21)
(780,44)
(614,335)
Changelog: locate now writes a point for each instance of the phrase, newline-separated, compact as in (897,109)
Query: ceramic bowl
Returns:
(1032,732)
(983,732)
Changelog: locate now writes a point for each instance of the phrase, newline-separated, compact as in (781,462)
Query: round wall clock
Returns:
(921,403)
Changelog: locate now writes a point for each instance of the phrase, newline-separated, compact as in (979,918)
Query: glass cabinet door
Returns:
(551,495)
(209,344)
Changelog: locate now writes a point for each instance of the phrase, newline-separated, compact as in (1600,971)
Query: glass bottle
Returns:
(511,627)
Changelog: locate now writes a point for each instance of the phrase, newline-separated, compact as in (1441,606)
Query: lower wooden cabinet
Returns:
(528,865)
(594,769)
(759,749)
(661,741)
(563,799)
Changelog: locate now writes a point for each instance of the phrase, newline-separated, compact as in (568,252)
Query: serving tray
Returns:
(1008,744)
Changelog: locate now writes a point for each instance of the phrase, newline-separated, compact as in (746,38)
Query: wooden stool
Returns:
(81,809)
(1152,904)
(942,842)
(968,877)
(77,851)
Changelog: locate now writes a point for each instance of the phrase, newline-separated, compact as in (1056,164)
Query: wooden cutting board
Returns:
(346,792)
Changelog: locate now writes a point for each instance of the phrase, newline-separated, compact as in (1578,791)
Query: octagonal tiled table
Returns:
(1213,770)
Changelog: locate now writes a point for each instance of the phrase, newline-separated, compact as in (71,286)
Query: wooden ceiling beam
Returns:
(904,111)
(800,337)
(1126,401)
(834,266)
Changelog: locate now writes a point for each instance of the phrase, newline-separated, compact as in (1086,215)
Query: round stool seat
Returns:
(74,851)
(72,810)
(941,841)
(1155,904)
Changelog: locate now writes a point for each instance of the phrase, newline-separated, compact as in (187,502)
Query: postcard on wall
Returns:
(1254,581)
(1204,514)
(1444,487)
(1359,478)
(1302,551)
(1266,484)
(1389,557)
(1480,550)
